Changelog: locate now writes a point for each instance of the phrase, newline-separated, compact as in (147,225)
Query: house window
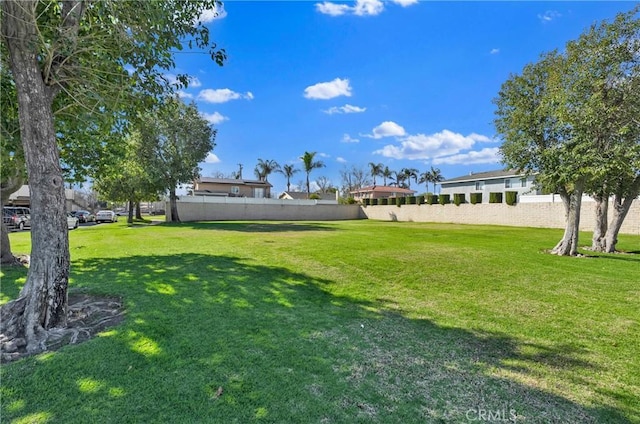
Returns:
(507,183)
(235,190)
(523,182)
(479,185)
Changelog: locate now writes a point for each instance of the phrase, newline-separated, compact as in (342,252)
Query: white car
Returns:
(106,216)
(72,221)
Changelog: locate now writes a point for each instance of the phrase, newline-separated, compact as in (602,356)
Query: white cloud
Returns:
(405,3)
(211,15)
(222,95)
(421,146)
(332,9)
(494,51)
(345,109)
(360,8)
(214,118)
(184,95)
(194,82)
(211,158)
(486,155)
(324,155)
(368,7)
(346,138)
(340,159)
(386,129)
(549,16)
(328,90)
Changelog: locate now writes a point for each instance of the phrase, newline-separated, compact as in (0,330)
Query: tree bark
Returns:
(620,209)
(138,212)
(600,229)
(572,201)
(173,202)
(45,291)
(130,215)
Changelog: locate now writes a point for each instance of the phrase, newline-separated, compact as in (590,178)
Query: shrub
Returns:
(384,201)
(401,201)
(475,198)
(314,196)
(374,202)
(351,201)
(432,199)
(458,198)
(510,197)
(495,197)
(366,202)
(444,199)
(420,200)
(411,200)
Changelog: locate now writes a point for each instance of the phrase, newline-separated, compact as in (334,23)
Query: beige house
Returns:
(378,192)
(499,181)
(229,187)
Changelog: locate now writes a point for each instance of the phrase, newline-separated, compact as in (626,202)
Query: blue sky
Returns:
(403,83)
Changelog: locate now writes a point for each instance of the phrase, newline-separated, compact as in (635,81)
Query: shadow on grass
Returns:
(221,339)
(254,227)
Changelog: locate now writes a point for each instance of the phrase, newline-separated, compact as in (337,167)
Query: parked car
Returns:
(16,218)
(106,216)
(84,216)
(72,221)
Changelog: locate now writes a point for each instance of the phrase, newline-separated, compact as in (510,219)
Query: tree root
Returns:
(87,316)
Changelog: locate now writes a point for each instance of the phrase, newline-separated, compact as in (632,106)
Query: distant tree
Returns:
(376,170)
(436,177)
(288,171)
(265,167)
(324,184)
(128,179)
(175,138)
(353,178)
(410,173)
(398,178)
(425,178)
(309,163)
(386,173)
(238,174)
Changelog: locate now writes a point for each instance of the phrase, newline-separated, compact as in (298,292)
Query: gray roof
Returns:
(481,176)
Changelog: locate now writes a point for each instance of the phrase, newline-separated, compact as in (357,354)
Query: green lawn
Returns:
(339,322)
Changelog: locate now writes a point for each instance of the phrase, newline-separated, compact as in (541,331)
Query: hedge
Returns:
(432,199)
(420,200)
(458,198)
(384,201)
(511,197)
(400,201)
(475,198)
(374,202)
(411,200)
(366,202)
(444,199)
(495,197)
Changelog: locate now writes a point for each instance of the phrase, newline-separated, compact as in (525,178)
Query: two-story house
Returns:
(230,187)
(488,182)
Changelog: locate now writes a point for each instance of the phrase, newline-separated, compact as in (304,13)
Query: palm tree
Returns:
(309,165)
(436,177)
(386,173)
(376,170)
(266,167)
(288,171)
(398,177)
(425,177)
(410,173)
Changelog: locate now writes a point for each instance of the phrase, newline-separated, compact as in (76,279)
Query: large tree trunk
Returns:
(600,229)
(568,246)
(620,209)
(173,201)
(42,303)
(130,216)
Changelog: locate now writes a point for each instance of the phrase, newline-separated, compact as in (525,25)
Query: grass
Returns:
(340,322)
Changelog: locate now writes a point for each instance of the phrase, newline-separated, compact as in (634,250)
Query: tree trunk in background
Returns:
(568,246)
(138,213)
(7,188)
(130,216)
(600,229)
(173,201)
(42,303)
